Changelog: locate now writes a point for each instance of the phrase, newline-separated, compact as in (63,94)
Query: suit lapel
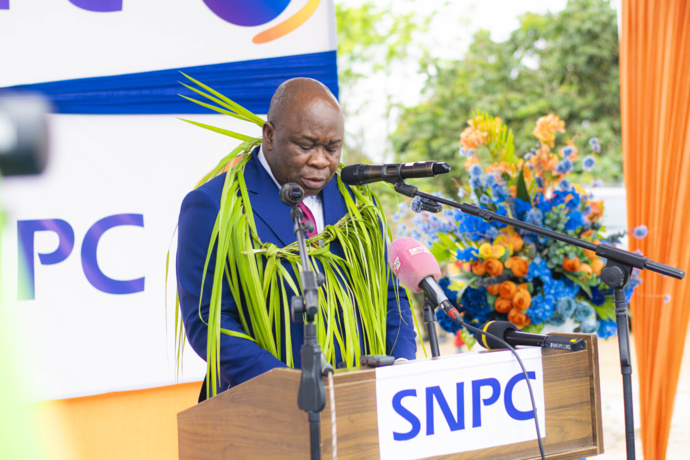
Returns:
(334,207)
(266,204)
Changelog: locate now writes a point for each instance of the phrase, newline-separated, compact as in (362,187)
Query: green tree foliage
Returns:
(372,41)
(564,63)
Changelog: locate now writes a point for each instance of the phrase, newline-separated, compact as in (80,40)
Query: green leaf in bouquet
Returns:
(468,338)
(532,328)
(522,191)
(607,311)
(583,285)
(491,299)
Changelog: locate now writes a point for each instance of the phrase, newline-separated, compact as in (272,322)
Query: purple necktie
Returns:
(308,217)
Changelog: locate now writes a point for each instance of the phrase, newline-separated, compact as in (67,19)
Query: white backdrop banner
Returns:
(96,226)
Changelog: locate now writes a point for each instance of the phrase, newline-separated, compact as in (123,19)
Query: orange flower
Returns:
(597,265)
(571,265)
(469,162)
(522,299)
(518,266)
(590,254)
(518,318)
(503,305)
(507,289)
(513,191)
(516,241)
(478,268)
(493,266)
(471,138)
(547,127)
(493,288)
(597,210)
(586,271)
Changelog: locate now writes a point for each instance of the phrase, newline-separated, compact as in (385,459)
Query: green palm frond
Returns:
(499,137)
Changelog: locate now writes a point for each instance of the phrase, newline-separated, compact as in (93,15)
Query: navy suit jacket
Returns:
(242,359)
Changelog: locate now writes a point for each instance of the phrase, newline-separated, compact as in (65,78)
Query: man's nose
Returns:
(319,159)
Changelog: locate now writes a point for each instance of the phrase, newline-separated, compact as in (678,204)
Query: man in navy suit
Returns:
(302,143)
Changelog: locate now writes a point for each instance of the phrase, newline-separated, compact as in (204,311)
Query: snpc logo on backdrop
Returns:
(244,13)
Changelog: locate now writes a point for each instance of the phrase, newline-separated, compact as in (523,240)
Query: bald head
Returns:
(291,90)
(303,136)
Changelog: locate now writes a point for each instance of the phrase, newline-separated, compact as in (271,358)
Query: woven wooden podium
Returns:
(260,418)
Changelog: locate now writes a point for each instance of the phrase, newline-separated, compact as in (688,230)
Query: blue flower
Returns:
(565,306)
(582,312)
(484,199)
(588,163)
(476,171)
(557,319)
(461,193)
(475,182)
(597,183)
(528,155)
(593,141)
(640,232)
(540,182)
(564,185)
(492,233)
(462,152)
(598,297)
(535,217)
(567,152)
(564,167)
(607,329)
(596,148)
(489,180)
(467,255)
(589,326)
(575,220)
(522,207)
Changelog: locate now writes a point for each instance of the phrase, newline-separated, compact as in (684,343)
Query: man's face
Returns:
(303,145)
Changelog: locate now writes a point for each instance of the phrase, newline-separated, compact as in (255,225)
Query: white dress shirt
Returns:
(313,202)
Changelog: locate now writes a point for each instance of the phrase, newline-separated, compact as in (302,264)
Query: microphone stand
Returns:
(311,397)
(430,320)
(616,274)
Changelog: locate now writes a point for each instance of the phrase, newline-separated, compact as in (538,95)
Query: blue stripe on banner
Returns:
(249,83)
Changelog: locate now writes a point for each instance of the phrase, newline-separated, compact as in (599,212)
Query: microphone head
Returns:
(497,328)
(350,174)
(291,194)
(440,168)
(411,261)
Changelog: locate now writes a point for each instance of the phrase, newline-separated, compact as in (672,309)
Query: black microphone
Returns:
(508,332)
(291,194)
(361,174)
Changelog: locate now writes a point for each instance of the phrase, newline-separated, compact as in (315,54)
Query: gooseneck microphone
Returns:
(508,332)
(361,174)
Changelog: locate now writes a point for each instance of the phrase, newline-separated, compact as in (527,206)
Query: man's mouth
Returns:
(313,182)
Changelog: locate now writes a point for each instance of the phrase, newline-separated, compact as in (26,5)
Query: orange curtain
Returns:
(655,103)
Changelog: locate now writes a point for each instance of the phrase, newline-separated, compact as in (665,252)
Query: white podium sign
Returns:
(458,403)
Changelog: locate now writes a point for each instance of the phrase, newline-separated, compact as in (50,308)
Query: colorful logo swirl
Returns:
(252,13)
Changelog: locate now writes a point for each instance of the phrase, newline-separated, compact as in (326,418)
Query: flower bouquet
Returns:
(497,272)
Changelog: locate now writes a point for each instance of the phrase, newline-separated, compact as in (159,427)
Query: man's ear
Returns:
(268,135)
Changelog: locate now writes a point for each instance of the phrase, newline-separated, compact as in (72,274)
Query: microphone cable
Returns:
(454,315)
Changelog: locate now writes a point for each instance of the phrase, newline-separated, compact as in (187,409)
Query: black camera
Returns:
(23,134)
